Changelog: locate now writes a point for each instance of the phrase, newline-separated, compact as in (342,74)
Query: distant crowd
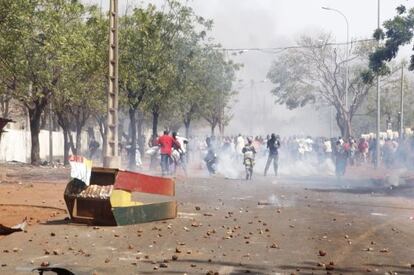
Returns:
(171,151)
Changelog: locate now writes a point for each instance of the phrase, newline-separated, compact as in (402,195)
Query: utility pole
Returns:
(377,145)
(251,117)
(112,159)
(50,134)
(402,103)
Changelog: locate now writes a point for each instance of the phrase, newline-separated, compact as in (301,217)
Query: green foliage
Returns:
(401,9)
(81,88)
(217,80)
(165,66)
(379,34)
(367,76)
(399,32)
(57,51)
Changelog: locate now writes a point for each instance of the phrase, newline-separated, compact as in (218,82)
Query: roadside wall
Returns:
(15,145)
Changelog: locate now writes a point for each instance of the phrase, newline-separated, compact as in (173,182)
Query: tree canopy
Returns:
(398,32)
(315,73)
(56,52)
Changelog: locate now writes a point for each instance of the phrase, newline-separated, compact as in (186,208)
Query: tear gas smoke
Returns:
(395,179)
(230,164)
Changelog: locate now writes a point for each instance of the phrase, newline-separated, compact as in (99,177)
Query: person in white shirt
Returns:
(178,154)
(327,148)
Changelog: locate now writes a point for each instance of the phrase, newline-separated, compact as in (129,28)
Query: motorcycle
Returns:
(211,161)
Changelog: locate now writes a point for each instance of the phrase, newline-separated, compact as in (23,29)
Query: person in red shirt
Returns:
(166,143)
(363,149)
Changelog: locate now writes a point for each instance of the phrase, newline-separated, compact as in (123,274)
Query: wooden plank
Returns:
(136,182)
(145,213)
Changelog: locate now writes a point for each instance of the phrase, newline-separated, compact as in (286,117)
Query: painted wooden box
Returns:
(116,197)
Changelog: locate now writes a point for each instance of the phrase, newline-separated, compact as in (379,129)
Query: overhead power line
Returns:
(275,50)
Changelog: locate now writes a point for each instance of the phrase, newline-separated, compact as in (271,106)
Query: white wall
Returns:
(15,145)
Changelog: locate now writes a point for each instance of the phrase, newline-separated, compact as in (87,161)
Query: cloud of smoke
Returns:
(230,164)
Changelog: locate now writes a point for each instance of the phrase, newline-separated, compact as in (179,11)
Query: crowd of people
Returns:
(171,151)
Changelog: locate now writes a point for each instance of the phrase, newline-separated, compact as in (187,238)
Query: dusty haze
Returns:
(277,23)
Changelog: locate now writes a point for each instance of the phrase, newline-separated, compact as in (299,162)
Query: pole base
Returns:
(112,162)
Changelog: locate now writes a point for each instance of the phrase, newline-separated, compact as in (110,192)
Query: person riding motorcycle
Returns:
(211,157)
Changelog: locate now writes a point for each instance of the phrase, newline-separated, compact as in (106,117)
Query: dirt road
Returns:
(288,225)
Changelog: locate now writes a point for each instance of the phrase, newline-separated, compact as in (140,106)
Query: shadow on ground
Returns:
(405,190)
(309,267)
(233,268)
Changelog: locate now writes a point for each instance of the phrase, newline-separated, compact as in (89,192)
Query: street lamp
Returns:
(347,52)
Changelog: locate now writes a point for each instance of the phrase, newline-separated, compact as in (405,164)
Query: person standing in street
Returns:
(273,145)
(166,143)
(342,149)
(249,153)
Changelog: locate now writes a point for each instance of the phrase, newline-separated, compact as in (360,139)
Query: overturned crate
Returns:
(108,200)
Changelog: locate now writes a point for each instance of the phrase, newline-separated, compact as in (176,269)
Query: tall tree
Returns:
(219,75)
(34,52)
(81,88)
(140,35)
(156,48)
(314,73)
(176,23)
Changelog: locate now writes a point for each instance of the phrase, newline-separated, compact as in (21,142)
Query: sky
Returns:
(276,23)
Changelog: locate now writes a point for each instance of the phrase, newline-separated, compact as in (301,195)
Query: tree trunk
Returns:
(36,109)
(78,139)
(213,127)
(187,123)
(64,124)
(133,137)
(65,147)
(4,102)
(155,116)
(34,117)
(348,128)
(81,116)
(221,129)
(344,124)
(141,137)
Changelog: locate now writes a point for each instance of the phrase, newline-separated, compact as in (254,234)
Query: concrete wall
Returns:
(15,145)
